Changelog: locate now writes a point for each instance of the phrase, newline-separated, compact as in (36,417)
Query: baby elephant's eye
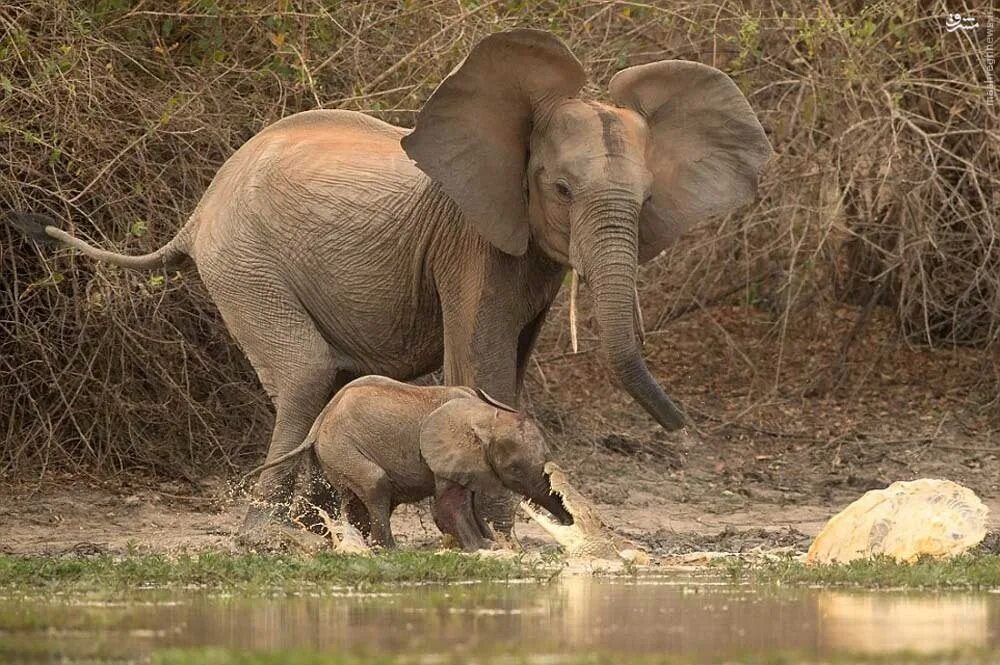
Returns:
(562,189)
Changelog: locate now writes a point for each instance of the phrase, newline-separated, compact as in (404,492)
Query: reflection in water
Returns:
(689,619)
(883,623)
(695,618)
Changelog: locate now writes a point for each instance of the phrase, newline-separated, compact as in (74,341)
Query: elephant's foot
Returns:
(270,530)
(481,545)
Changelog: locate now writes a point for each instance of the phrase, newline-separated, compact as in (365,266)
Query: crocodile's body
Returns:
(588,537)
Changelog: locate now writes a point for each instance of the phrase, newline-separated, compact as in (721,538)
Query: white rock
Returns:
(904,521)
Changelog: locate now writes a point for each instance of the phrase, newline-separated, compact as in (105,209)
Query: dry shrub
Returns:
(115,115)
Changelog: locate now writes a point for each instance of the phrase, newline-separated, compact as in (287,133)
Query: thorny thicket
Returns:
(115,115)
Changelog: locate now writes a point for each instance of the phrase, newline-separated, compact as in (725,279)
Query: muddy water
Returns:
(701,619)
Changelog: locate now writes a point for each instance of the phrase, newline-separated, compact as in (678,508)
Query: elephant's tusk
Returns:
(574,284)
(640,329)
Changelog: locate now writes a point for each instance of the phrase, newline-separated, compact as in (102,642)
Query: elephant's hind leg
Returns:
(299,370)
(370,486)
(298,401)
(356,514)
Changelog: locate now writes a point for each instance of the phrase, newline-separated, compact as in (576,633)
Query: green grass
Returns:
(970,571)
(213,656)
(249,571)
(215,570)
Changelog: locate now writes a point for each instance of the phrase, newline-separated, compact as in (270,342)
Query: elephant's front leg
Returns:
(480,351)
(492,311)
(454,515)
(492,308)
(486,360)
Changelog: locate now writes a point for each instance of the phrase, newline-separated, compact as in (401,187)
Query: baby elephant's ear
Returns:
(453,445)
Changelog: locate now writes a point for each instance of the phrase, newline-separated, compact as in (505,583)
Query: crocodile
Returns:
(588,537)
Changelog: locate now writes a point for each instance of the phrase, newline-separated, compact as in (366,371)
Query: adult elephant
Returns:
(336,245)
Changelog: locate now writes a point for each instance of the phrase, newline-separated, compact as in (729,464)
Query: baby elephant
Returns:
(382,443)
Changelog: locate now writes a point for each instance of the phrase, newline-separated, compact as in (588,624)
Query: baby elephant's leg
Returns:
(357,474)
(378,501)
(454,515)
(355,513)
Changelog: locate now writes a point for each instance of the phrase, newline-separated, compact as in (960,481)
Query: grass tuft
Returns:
(970,571)
(249,571)
(214,656)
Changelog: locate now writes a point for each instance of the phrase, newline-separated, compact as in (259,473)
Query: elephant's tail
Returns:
(301,448)
(43,229)
(306,444)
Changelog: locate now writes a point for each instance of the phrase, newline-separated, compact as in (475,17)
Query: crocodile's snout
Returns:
(555,504)
(585,535)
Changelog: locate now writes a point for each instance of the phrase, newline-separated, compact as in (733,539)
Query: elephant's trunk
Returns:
(608,258)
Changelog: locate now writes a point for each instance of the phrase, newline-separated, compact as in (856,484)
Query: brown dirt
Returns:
(772,463)
(93,517)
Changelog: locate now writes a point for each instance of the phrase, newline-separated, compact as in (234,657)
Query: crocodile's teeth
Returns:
(541,518)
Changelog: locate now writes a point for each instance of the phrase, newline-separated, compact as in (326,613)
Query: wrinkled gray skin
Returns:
(382,443)
(336,245)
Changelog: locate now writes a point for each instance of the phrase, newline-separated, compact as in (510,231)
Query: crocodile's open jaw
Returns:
(553,500)
(587,535)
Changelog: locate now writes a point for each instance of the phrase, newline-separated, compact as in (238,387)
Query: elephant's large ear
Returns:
(706,146)
(453,444)
(472,134)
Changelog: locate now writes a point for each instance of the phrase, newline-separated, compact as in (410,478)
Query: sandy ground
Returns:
(772,462)
(98,517)
(88,517)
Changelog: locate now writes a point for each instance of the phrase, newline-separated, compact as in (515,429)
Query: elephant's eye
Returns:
(562,189)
